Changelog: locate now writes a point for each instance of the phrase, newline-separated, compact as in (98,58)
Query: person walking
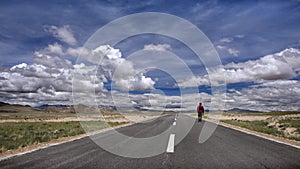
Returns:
(200,110)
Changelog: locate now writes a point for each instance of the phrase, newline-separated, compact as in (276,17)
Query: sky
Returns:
(258,43)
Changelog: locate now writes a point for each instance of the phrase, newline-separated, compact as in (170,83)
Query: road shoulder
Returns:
(277,139)
(281,140)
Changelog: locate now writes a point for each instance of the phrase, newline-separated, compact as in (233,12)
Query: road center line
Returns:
(170,148)
(174,123)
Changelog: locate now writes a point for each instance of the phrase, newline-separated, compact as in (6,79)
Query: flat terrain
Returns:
(226,148)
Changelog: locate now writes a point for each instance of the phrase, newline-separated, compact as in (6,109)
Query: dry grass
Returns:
(22,134)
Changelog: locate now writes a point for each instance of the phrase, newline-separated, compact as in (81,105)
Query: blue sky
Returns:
(267,26)
(240,31)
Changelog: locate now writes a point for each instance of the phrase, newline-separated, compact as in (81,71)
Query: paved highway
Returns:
(226,148)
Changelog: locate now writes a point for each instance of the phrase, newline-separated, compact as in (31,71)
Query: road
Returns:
(226,148)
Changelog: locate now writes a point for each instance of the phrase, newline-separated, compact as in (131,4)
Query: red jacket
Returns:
(200,109)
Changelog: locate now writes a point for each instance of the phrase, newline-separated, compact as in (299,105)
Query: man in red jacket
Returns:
(200,110)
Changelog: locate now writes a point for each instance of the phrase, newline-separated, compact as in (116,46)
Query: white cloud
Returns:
(49,80)
(278,66)
(281,95)
(64,34)
(291,56)
(239,36)
(204,80)
(231,51)
(51,61)
(34,70)
(282,65)
(19,66)
(47,73)
(226,40)
(231,39)
(272,91)
(140,82)
(53,49)
(221,47)
(57,49)
(161,102)
(159,47)
(76,52)
(121,71)
(279,83)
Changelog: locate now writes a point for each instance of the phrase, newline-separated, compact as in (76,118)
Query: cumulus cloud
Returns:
(272,89)
(158,47)
(76,52)
(280,95)
(282,65)
(141,82)
(278,66)
(47,72)
(55,49)
(292,56)
(64,34)
(51,61)
(121,71)
(34,70)
(204,80)
(51,76)
(47,80)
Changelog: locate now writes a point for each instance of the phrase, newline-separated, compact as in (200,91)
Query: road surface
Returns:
(226,148)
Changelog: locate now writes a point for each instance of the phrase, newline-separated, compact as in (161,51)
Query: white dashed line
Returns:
(170,148)
(174,123)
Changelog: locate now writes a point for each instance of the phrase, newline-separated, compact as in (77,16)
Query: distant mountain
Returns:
(170,106)
(4,104)
(107,107)
(59,106)
(237,110)
(140,108)
(16,108)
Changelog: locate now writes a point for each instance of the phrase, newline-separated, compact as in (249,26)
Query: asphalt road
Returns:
(226,148)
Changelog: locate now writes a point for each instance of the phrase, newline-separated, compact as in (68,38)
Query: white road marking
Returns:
(170,148)
(174,123)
